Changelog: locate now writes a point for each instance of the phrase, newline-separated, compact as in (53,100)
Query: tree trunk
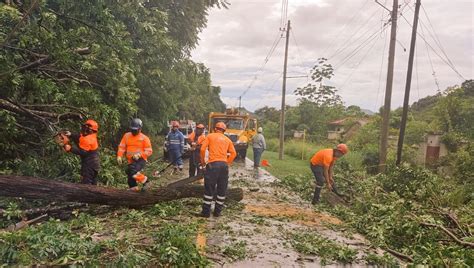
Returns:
(36,188)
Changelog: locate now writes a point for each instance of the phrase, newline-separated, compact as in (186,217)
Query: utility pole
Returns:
(388,90)
(401,136)
(283,93)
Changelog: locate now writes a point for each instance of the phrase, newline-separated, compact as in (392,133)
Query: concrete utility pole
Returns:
(283,93)
(388,90)
(401,136)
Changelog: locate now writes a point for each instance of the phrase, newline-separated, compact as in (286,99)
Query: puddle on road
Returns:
(302,216)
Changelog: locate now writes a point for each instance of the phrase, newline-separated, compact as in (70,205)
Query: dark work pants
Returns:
(134,168)
(194,160)
(89,175)
(318,172)
(216,180)
(257,155)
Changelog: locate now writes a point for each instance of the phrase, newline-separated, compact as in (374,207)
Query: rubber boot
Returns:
(206,211)
(317,194)
(218,210)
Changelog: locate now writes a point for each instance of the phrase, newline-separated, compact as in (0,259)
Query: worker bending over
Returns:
(195,139)
(137,148)
(175,146)
(87,147)
(322,166)
(216,175)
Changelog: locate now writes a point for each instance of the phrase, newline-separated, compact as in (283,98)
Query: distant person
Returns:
(322,166)
(137,148)
(87,148)
(195,139)
(216,175)
(259,145)
(175,144)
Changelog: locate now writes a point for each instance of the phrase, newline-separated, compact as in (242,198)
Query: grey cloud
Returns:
(237,40)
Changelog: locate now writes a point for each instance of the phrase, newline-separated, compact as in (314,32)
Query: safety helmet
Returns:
(174,123)
(92,125)
(342,148)
(136,124)
(221,125)
(259,129)
(200,126)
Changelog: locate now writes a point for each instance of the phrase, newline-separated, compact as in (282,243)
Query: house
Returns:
(431,149)
(344,129)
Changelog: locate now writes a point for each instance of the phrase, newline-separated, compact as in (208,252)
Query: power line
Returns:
(297,47)
(380,72)
(358,64)
(433,73)
(437,54)
(339,33)
(267,58)
(361,46)
(347,42)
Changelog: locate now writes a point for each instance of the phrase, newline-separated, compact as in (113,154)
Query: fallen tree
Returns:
(37,188)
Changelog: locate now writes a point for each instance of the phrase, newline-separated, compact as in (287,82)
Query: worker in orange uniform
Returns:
(195,139)
(137,148)
(216,175)
(87,147)
(322,166)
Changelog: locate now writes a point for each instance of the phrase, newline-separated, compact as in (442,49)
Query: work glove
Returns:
(136,156)
(119,160)
(202,167)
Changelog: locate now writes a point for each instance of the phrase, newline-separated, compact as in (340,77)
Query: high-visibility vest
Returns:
(131,145)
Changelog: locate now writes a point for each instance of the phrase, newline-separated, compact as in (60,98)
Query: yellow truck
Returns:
(240,128)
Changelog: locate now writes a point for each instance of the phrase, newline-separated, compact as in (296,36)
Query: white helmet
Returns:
(259,129)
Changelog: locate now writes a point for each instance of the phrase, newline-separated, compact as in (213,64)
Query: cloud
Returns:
(237,40)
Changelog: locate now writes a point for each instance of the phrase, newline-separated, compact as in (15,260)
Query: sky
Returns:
(350,34)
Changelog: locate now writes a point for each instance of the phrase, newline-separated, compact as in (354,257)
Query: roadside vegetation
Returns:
(422,215)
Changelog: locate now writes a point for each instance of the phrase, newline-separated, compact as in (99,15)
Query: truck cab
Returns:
(240,128)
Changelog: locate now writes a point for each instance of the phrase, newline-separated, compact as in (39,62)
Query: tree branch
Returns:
(449,233)
(41,116)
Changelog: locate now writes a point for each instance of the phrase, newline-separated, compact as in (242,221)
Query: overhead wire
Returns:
(436,38)
(279,36)
(433,73)
(339,33)
(348,42)
(434,50)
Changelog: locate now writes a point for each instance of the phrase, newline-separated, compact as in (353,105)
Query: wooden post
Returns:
(283,94)
(388,91)
(401,136)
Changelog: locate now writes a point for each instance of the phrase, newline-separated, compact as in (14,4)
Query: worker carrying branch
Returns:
(137,148)
(322,166)
(87,147)
(175,146)
(195,139)
(216,174)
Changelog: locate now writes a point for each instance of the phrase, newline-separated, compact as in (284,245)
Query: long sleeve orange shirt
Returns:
(218,145)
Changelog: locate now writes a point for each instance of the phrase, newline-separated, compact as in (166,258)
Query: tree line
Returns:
(62,62)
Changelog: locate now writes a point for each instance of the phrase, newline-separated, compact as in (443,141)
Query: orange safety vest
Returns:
(323,157)
(134,144)
(200,138)
(88,142)
(219,145)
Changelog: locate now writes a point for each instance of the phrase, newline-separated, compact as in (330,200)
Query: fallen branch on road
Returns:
(37,188)
(449,233)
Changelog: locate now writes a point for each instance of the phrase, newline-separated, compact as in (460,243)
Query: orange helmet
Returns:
(92,125)
(221,125)
(343,148)
(174,124)
(200,126)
